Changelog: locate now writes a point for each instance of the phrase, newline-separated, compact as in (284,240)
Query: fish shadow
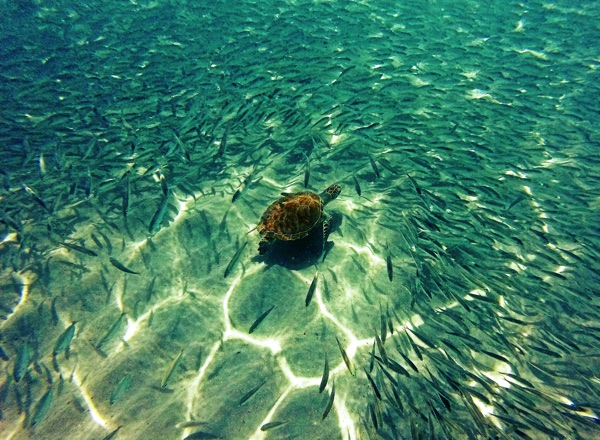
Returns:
(300,254)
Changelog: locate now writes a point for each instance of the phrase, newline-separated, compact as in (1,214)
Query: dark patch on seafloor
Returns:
(300,254)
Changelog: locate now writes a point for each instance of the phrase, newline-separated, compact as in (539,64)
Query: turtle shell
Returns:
(292,217)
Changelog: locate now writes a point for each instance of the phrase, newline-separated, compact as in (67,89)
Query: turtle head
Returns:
(331,193)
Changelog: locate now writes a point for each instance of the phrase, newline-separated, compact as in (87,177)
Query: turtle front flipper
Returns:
(326,227)
(264,244)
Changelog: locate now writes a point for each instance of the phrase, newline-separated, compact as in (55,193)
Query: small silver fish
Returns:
(306,173)
(250,393)
(417,187)
(234,260)
(223,144)
(158,216)
(325,377)
(272,425)
(116,263)
(126,192)
(169,371)
(515,201)
(111,331)
(374,166)
(35,197)
(22,362)
(329,402)
(260,319)
(120,389)
(64,340)
(373,385)
(79,248)
(356,186)
(345,357)
(311,289)
(42,407)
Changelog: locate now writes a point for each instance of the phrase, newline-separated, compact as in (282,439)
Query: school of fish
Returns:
(455,298)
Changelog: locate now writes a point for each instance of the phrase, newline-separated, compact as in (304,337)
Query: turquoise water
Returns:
(456,296)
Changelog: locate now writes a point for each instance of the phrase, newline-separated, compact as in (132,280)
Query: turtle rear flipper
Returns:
(264,244)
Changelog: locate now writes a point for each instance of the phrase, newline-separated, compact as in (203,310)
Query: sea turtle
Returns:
(294,216)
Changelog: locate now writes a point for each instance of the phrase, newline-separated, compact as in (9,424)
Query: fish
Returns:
(451,346)
(373,385)
(387,374)
(325,377)
(35,197)
(64,340)
(126,193)
(345,71)
(329,402)
(107,241)
(390,267)
(250,393)
(408,361)
(116,263)
(96,241)
(16,225)
(112,434)
(545,350)
(260,319)
(374,166)
(466,337)
(164,185)
(382,351)
(425,340)
(475,414)
(234,260)
(306,172)
(496,356)
(372,358)
(236,194)
(111,331)
(5,180)
(48,373)
(460,300)
(169,371)
(223,144)
(311,289)
(356,186)
(374,417)
(150,289)
(120,389)
(415,185)
(79,248)
(514,202)
(54,311)
(184,150)
(199,435)
(345,357)
(158,216)
(515,379)
(191,424)
(22,362)
(389,320)
(42,407)
(272,425)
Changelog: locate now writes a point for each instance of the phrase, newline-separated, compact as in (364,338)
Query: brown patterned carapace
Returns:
(293,217)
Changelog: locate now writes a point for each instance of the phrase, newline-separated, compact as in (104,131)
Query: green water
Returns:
(456,296)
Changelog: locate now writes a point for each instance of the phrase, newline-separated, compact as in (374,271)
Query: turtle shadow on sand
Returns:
(302,253)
